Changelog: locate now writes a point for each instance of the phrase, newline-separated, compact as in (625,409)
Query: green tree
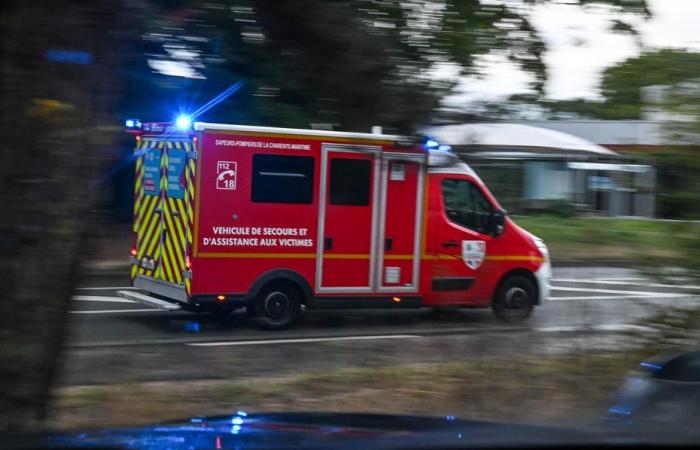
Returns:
(360,63)
(622,84)
(347,63)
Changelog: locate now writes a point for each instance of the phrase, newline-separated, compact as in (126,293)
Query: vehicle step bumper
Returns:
(148,300)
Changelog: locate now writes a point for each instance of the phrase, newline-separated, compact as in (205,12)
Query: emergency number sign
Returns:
(226,175)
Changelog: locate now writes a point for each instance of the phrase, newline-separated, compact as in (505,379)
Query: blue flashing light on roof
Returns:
(132,123)
(431,144)
(183,122)
(444,148)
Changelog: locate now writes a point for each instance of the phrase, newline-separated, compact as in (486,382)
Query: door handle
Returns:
(327,243)
(388,244)
(450,244)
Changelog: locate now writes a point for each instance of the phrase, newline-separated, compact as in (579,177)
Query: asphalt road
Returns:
(115,340)
(581,297)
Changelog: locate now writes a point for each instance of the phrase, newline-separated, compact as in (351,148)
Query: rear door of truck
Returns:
(163,199)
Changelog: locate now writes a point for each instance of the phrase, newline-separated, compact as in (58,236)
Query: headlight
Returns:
(542,247)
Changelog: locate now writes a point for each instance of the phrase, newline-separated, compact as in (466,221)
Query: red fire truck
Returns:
(275,220)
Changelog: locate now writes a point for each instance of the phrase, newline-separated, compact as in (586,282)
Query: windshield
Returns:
(273,207)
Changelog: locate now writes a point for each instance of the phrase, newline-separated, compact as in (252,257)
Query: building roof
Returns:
(515,139)
(608,132)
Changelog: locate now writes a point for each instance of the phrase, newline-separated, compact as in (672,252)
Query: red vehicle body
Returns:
(271,219)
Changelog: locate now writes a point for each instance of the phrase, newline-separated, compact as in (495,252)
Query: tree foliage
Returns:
(622,84)
(352,64)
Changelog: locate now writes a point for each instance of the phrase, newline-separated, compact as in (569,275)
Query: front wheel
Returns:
(276,307)
(515,299)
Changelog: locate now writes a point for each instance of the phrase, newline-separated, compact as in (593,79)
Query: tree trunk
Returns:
(59,78)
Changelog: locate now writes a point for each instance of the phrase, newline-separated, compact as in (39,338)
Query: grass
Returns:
(552,389)
(573,388)
(595,239)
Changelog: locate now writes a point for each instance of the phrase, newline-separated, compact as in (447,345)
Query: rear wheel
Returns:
(515,299)
(276,307)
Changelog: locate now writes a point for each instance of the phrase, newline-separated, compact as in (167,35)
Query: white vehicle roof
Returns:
(201,126)
(448,162)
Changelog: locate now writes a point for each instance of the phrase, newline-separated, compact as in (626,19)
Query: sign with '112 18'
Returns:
(226,175)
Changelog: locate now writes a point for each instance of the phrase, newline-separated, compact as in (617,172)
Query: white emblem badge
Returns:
(473,253)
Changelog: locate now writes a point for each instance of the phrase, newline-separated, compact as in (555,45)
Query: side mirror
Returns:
(498,222)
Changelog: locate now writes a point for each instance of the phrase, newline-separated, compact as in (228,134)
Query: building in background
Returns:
(544,165)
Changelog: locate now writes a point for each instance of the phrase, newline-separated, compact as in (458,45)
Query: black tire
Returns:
(277,306)
(514,299)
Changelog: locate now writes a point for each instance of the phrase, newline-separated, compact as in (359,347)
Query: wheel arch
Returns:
(285,275)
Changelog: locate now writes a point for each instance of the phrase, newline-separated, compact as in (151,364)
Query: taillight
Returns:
(133,251)
(188,263)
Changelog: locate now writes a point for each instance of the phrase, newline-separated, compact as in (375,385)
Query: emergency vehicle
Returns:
(278,220)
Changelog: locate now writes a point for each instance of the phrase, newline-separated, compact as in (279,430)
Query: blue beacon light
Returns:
(132,123)
(183,122)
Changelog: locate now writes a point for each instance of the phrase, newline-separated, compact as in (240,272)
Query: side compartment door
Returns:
(347,219)
(400,229)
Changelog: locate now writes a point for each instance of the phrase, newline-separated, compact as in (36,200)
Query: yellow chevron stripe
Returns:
(167,261)
(154,238)
(147,205)
(169,219)
(151,236)
(174,251)
(182,221)
(146,218)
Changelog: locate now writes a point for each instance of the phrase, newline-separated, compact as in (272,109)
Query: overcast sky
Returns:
(580,47)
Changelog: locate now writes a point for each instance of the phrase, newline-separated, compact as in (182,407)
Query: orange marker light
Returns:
(188,263)
(397,299)
(221,298)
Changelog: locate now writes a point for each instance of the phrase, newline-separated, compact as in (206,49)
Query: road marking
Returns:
(584,279)
(609,291)
(99,298)
(594,281)
(427,333)
(115,311)
(105,288)
(606,327)
(621,297)
(302,340)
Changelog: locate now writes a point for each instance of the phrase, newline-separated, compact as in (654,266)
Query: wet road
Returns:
(115,340)
(581,297)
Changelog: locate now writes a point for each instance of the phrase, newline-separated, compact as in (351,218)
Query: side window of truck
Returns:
(350,182)
(282,179)
(466,205)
